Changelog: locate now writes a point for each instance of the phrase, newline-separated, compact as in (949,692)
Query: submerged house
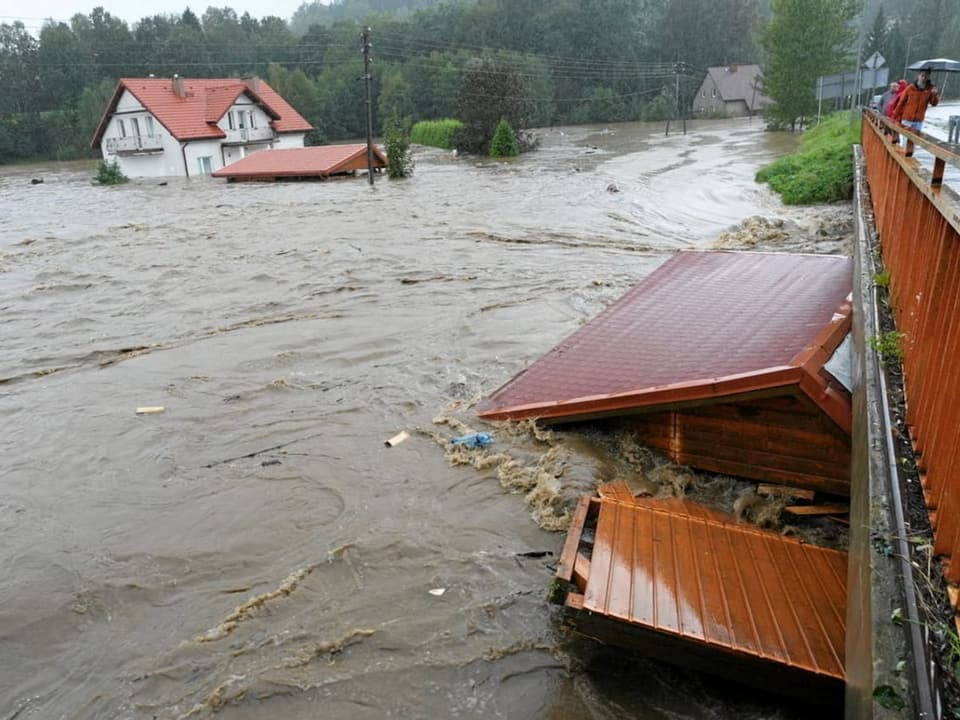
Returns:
(311,163)
(729,362)
(731,91)
(168,127)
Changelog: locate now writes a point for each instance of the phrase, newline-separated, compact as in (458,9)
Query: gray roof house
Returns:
(730,91)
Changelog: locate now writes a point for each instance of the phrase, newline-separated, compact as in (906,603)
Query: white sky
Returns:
(32,13)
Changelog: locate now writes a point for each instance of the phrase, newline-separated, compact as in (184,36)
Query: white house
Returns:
(163,127)
(730,91)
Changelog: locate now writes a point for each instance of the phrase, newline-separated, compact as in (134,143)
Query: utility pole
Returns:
(677,70)
(365,36)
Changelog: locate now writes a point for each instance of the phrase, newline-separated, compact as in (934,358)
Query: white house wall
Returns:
(161,164)
(203,148)
(238,143)
(289,140)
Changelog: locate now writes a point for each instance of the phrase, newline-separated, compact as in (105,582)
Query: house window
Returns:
(230,122)
(123,128)
(240,119)
(205,164)
(253,124)
(703,93)
(134,123)
(149,121)
(713,92)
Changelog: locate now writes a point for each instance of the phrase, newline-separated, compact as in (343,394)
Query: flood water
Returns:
(255,550)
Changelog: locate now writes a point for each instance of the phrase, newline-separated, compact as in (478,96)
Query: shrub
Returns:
(504,143)
(399,161)
(889,346)
(109,173)
(435,133)
(822,171)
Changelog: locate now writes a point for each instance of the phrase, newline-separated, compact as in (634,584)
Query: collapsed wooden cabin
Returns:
(309,163)
(730,362)
(693,587)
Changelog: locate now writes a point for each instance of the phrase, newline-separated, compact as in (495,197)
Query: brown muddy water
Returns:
(256,551)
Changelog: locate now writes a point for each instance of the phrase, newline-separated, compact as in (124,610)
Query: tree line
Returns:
(566,61)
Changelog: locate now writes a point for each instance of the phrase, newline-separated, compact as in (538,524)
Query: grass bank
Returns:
(822,171)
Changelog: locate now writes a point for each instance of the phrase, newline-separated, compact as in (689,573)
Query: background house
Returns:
(730,90)
(162,127)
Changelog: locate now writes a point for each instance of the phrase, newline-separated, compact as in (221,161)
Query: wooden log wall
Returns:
(785,439)
(917,220)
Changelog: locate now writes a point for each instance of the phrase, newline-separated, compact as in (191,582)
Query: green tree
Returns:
(397,142)
(64,65)
(18,69)
(803,40)
(492,91)
(504,143)
(876,39)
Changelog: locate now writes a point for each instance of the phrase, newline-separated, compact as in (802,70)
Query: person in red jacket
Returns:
(896,90)
(913,102)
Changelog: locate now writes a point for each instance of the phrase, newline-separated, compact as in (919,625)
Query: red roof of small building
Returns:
(319,161)
(195,115)
(703,325)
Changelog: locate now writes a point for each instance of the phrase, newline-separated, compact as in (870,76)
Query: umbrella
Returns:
(943,64)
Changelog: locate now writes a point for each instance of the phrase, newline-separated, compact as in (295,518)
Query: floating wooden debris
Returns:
(727,361)
(784,491)
(817,509)
(692,587)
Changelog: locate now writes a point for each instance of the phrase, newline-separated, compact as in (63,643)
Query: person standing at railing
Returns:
(888,102)
(911,106)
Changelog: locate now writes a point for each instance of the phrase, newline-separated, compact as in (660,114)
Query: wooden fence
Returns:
(918,222)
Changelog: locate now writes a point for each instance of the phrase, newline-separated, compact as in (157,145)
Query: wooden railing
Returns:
(918,222)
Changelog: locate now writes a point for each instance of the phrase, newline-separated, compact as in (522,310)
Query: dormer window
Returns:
(230,121)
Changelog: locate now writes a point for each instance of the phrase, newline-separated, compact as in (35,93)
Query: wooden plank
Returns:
(826,592)
(816,431)
(570,545)
(581,570)
(690,590)
(663,570)
(817,509)
(619,491)
(621,531)
(784,490)
(643,593)
(743,452)
(767,410)
(741,623)
(728,467)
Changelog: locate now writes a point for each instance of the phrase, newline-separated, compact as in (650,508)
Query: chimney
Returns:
(178,87)
(254,84)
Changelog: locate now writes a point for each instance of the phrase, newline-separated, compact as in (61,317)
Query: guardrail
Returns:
(918,223)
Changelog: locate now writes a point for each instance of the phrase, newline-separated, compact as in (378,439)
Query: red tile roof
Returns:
(195,116)
(318,161)
(703,325)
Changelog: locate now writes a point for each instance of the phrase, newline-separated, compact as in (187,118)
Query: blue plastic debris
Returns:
(473,440)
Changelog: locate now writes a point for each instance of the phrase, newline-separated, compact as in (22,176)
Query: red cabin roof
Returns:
(320,161)
(703,325)
(193,113)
